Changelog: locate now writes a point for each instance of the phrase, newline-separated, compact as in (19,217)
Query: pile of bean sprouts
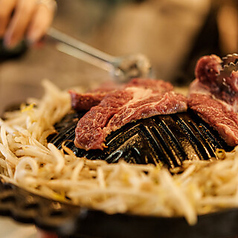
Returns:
(27,160)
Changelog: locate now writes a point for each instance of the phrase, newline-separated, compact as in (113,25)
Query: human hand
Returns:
(25,19)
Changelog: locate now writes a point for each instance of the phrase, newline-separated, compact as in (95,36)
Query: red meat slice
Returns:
(136,100)
(215,99)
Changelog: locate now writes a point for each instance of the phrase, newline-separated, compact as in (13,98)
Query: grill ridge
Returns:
(167,139)
(195,140)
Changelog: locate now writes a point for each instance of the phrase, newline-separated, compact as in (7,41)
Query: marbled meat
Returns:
(215,98)
(140,98)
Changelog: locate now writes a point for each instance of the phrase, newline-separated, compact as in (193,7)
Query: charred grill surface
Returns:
(166,139)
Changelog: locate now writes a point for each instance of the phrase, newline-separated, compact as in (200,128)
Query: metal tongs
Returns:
(122,69)
(229,64)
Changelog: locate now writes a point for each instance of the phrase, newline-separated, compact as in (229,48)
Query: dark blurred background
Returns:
(173,34)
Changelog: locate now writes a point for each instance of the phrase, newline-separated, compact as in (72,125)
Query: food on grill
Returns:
(84,101)
(214,96)
(29,161)
(141,98)
(167,140)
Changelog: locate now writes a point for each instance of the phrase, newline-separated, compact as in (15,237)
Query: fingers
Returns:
(24,10)
(6,9)
(31,18)
(41,21)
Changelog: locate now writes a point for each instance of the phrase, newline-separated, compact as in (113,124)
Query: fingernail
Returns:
(9,43)
(32,37)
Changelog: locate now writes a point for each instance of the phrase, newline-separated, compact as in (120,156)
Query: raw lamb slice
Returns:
(138,99)
(215,98)
(84,101)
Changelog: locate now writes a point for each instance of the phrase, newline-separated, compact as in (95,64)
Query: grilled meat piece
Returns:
(136,100)
(213,95)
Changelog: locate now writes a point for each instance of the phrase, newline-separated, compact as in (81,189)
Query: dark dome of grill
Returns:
(166,139)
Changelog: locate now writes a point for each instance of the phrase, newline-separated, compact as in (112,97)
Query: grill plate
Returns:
(169,139)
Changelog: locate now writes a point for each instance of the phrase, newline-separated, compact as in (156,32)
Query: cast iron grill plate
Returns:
(169,139)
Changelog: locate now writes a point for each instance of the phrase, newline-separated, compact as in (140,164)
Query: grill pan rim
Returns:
(81,222)
(85,220)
